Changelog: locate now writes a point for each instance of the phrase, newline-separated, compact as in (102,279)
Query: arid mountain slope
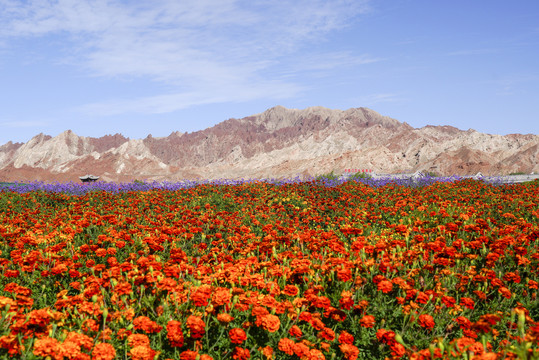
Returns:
(279,142)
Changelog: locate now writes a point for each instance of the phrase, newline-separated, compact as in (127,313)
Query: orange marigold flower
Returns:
(123,288)
(505,292)
(90,325)
(327,334)
(464,323)
(104,351)
(305,316)
(346,301)
(221,296)
(301,350)
(201,295)
(267,351)
(467,302)
(145,324)
(448,301)
(237,335)
(512,277)
(385,336)
(138,340)
(385,286)
(101,252)
(40,317)
(346,338)
(197,326)
(11,344)
(259,311)
(59,269)
(142,353)
(397,349)
(317,324)
(224,318)
(367,321)
(81,340)
(286,345)
(70,350)
(295,331)
(349,351)
(426,321)
(422,298)
(188,355)
(174,333)
(270,323)
(47,346)
(315,354)
(205,357)
(290,290)
(322,302)
(241,354)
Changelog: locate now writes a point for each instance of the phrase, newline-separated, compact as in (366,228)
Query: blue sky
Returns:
(153,67)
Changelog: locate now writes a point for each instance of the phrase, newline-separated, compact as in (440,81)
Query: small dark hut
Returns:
(88,178)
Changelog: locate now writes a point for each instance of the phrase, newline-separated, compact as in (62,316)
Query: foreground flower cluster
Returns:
(296,270)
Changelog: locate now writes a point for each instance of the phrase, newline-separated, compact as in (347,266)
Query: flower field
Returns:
(256,270)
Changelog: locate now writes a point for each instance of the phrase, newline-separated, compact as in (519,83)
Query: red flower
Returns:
(426,321)
(286,345)
(467,302)
(47,346)
(295,331)
(327,334)
(464,323)
(103,351)
(201,295)
(290,290)
(367,321)
(145,324)
(221,296)
(448,301)
(505,292)
(270,323)
(241,354)
(385,286)
(224,318)
(346,338)
(188,355)
(174,333)
(349,351)
(196,326)
(237,335)
(135,340)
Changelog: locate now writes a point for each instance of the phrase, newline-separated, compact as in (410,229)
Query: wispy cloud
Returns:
(22,124)
(466,52)
(328,61)
(204,50)
(165,103)
(371,99)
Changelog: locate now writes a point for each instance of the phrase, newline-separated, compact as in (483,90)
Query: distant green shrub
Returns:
(360,175)
(327,176)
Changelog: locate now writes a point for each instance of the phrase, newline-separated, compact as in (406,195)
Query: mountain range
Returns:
(277,143)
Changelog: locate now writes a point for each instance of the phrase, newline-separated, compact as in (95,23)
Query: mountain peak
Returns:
(278,142)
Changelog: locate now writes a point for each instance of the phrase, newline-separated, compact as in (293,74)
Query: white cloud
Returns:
(22,124)
(197,46)
(165,103)
(466,52)
(369,100)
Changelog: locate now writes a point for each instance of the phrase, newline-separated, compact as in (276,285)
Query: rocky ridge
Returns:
(279,142)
